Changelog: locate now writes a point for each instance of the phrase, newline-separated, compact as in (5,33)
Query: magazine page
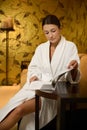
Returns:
(62,72)
(61,87)
(43,85)
(46,85)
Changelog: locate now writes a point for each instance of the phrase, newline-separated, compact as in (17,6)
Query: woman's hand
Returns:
(73,64)
(33,78)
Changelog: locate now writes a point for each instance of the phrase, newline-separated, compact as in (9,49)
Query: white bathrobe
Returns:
(45,70)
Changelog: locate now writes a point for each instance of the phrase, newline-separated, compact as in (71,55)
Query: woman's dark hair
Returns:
(51,19)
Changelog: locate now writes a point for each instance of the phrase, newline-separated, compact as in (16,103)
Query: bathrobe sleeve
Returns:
(72,55)
(69,77)
(35,65)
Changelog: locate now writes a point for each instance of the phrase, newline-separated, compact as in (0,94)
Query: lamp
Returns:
(7,25)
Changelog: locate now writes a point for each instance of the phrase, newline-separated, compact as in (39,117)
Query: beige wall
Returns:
(27,15)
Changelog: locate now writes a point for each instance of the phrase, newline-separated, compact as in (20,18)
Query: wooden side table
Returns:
(63,99)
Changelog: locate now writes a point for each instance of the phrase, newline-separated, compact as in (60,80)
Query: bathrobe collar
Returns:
(57,57)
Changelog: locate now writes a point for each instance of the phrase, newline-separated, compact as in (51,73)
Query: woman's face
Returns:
(52,33)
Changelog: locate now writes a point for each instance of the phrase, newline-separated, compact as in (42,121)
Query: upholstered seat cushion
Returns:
(23,77)
(6,92)
(83,69)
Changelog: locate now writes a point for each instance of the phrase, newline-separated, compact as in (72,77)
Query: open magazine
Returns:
(49,85)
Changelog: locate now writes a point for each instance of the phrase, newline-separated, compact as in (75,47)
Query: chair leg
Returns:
(36,112)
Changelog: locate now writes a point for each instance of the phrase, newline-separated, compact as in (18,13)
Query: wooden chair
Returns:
(52,124)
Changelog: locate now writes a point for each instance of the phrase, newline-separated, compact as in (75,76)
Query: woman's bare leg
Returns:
(13,117)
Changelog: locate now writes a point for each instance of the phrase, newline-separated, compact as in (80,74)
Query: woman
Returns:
(50,58)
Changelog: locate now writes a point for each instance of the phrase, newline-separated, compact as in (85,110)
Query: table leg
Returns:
(61,124)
